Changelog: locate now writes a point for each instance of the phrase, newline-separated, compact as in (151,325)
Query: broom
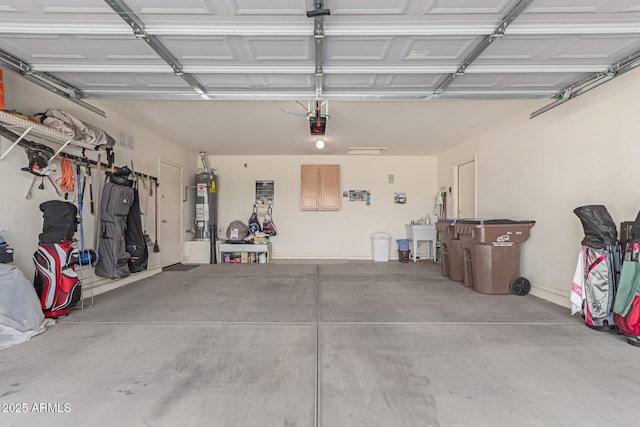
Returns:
(156,246)
(147,238)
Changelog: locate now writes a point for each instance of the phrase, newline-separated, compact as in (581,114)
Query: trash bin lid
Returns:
(451,220)
(456,220)
(381,235)
(482,221)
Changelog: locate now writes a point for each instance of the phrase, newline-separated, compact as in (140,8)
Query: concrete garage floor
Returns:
(349,344)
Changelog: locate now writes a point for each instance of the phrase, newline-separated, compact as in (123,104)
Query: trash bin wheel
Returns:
(520,286)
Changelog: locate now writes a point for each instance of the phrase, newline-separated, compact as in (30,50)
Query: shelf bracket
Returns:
(16,142)
(60,149)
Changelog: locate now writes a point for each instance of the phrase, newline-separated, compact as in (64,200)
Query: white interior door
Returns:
(467,190)
(170,196)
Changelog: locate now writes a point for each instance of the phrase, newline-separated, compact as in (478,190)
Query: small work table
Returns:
(426,232)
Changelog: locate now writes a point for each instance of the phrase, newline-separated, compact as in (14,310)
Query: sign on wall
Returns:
(400,198)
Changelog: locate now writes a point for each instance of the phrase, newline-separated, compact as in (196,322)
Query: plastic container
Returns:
(403,256)
(381,246)
(492,254)
(403,244)
(451,250)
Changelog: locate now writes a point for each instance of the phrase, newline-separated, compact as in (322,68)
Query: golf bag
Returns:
(627,305)
(134,238)
(56,282)
(113,257)
(60,221)
(601,267)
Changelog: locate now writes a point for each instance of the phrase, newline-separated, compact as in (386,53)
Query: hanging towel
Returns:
(627,287)
(577,287)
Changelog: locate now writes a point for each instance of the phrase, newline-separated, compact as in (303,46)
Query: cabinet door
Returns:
(330,187)
(309,185)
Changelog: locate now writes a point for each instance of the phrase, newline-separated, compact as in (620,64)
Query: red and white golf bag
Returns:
(56,281)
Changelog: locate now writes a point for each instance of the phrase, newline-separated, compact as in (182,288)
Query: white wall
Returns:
(22,218)
(343,234)
(583,152)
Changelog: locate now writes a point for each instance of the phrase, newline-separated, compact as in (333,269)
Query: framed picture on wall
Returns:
(264,192)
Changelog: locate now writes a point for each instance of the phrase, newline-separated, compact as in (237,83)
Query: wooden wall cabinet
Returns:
(320,187)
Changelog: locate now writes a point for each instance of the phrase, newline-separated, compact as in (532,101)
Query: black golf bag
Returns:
(60,221)
(135,242)
(113,257)
(55,280)
(601,267)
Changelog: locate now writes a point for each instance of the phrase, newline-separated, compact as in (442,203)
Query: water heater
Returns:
(206,204)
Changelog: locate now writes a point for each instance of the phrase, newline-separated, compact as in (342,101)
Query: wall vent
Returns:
(125,140)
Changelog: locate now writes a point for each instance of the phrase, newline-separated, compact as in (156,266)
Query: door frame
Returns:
(170,163)
(456,183)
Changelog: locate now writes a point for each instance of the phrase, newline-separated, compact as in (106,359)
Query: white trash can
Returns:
(381,246)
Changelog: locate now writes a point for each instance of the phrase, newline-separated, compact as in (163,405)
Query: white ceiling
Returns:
(383,64)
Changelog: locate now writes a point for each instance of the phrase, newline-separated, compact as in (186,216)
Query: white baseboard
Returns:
(551,294)
(302,255)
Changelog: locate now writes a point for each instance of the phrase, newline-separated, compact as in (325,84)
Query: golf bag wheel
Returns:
(635,341)
(520,286)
